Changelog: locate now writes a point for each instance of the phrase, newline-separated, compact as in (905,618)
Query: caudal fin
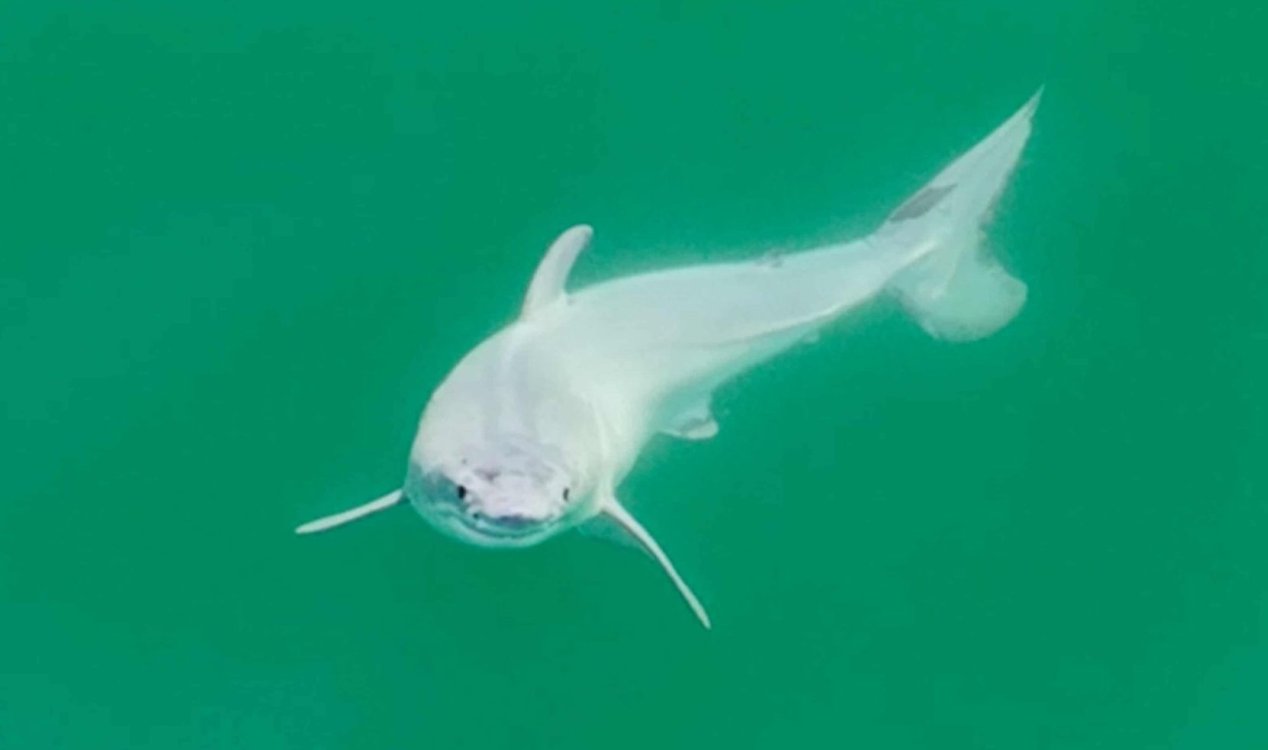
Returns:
(957,290)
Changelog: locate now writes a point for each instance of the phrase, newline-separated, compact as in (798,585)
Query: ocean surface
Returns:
(241,242)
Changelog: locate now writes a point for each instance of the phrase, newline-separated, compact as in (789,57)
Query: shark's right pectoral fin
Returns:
(348,516)
(613,510)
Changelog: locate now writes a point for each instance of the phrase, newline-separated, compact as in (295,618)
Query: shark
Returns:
(533,431)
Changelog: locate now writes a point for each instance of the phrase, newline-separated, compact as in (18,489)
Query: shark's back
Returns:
(655,336)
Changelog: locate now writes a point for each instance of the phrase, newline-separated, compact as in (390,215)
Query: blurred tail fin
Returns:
(958,291)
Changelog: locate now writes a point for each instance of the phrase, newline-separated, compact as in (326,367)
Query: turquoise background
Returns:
(241,242)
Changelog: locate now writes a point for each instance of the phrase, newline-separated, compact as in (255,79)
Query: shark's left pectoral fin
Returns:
(548,281)
(613,509)
(352,514)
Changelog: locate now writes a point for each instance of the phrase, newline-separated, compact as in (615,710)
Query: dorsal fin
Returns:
(548,281)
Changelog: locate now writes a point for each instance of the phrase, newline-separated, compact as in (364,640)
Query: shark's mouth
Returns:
(507,527)
(478,528)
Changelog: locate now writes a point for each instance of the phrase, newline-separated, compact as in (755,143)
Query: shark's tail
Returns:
(957,290)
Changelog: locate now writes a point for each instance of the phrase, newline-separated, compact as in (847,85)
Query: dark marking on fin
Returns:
(921,203)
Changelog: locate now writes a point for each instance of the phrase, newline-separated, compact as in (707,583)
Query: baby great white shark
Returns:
(533,431)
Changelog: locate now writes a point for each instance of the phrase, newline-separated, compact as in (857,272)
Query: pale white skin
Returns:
(533,431)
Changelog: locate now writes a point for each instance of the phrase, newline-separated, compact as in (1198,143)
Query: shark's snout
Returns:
(510,502)
(508,506)
(497,519)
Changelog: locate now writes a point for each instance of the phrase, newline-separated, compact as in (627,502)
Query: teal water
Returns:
(240,243)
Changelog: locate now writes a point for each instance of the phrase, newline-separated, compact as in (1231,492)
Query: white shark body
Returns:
(533,431)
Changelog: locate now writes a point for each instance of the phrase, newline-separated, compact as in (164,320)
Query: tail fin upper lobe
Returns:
(958,291)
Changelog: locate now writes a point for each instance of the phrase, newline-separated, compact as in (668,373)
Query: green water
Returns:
(240,243)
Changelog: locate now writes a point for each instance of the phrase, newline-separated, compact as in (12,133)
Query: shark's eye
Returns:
(462,492)
(565,493)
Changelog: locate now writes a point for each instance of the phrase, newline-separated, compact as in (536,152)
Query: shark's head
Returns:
(504,494)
